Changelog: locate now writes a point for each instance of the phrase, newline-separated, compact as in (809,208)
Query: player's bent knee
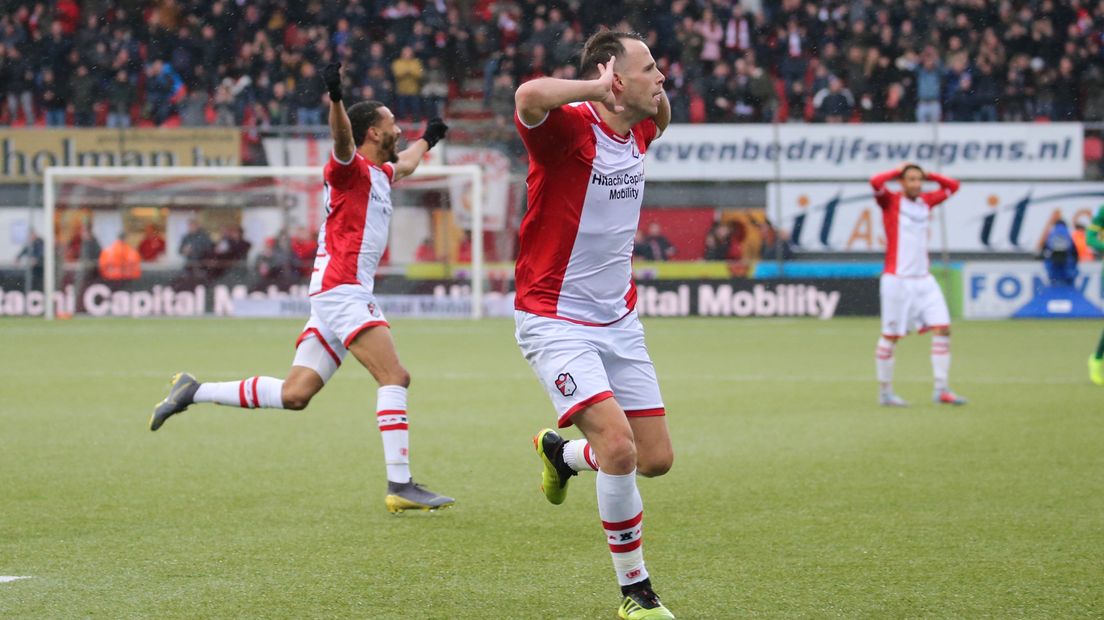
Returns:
(654,467)
(296,400)
(620,453)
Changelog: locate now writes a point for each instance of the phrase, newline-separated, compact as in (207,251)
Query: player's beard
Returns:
(390,152)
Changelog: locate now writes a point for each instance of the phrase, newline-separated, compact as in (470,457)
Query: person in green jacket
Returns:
(1094,236)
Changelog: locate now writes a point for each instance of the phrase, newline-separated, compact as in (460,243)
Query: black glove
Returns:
(331,74)
(435,130)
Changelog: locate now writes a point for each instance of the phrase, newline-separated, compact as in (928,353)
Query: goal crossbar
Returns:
(54,174)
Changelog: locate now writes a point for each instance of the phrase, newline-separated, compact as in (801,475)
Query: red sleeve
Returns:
(645,131)
(878,181)
(555,136)
(389,170)
(342,175)
(947,188)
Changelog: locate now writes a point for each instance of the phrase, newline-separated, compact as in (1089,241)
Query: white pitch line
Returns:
(9,578)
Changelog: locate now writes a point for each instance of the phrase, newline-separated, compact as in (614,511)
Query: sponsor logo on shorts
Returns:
(372,309)
(565,384)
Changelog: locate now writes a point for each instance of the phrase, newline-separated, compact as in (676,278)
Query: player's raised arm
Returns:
(411,156)
(945,182)
(879,180)
(947,188)
(535,98)
(344,147)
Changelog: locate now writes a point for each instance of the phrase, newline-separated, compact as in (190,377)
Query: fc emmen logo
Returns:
(565,384)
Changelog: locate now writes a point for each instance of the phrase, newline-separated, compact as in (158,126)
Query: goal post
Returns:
(56,176)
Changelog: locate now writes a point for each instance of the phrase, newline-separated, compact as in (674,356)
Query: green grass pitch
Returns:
(793,495)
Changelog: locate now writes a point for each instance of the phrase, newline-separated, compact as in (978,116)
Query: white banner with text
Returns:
(732,152)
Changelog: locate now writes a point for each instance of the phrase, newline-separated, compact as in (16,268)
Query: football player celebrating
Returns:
(344,314)
(575,317)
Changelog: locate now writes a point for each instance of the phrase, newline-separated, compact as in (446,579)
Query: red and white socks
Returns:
(941,361)
(883,362)
(391,418)
(622,514)
(578,455)
(251,393)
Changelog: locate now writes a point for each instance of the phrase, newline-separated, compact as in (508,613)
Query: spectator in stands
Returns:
(719,244)
(834,103)
(408,71)
(426,252)
(152,246)
(193,107)
(225,105)
(720,92)
(304,247)
(278,107)
(435,89)
(19,82)
(772,240)
(1022,58)
(84,93)
(963,105)
(120,263)
(32,256)
(1092,84)
(120,96)
(656,246)
(196,248)
(1065,90)
(52,98)
(502,95)
(308,91)
(231,251)
(929,88)
(275,265)
(162,85)
(763,94)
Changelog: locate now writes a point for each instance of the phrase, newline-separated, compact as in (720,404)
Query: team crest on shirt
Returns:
(565,384)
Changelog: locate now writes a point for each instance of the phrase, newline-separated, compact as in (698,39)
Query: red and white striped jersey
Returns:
(907,222)
(358,214)
(586,185)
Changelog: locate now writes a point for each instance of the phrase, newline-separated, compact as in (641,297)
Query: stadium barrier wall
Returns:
(161,296)
(1001,290)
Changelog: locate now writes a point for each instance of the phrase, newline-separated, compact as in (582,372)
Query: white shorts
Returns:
(347,310)
(319,349)
(337,316)
(912,304)
(580,365)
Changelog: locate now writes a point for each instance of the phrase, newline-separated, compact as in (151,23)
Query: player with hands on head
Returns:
(910,297)
(575,305)
(345,316)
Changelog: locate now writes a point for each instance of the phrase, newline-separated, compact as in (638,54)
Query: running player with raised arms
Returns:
(344,314)
(910,296)
(575,317)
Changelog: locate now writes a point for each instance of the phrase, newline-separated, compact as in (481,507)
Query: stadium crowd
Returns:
(195,62)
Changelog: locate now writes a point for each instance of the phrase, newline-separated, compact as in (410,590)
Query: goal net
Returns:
(241,241)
